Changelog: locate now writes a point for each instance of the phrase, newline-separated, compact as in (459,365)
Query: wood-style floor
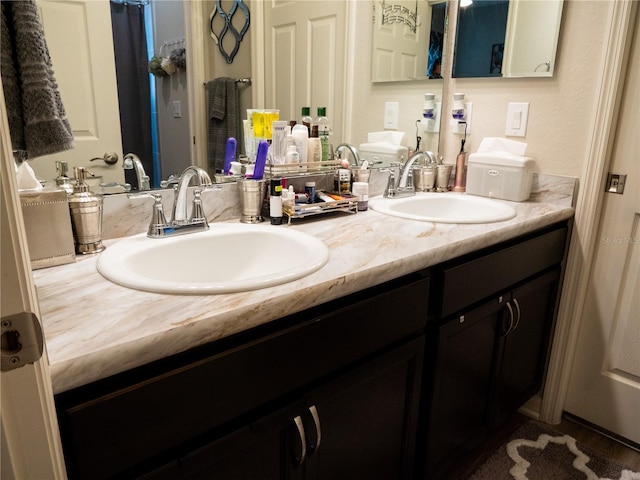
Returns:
(599,442)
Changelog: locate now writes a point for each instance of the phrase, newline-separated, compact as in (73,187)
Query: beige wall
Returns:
(561,108)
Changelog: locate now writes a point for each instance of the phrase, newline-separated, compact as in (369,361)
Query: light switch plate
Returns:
(517,116)
(391,110)
(177,109)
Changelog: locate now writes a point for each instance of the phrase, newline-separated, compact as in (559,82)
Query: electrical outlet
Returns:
(391,110)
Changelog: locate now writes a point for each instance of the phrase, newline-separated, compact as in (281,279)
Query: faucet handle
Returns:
(197,211)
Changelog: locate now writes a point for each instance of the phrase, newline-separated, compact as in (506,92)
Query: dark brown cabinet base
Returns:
(491,354)
(242,407)
(394,382)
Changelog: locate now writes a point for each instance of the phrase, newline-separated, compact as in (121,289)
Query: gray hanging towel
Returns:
(224,119)
(37,120)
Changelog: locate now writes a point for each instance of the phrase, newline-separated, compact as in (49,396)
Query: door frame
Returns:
(30,443)
(589,208)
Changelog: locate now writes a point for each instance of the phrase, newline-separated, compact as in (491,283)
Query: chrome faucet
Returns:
(181,222)
(352,149)
(132,162)
(179,216)
(404,188)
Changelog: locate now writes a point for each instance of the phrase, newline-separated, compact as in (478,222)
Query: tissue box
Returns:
(48,225)
(500,175)
(382,154)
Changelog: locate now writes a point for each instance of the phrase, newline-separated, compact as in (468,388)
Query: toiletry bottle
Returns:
(289,200)
(86,215)
(292,155)
(301,140)
(306,119)
(62,180)
(361,191)
(322,123)
(310,190)
(314,155)
(275,201)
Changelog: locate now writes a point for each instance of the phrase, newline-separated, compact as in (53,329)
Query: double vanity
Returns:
(409,343)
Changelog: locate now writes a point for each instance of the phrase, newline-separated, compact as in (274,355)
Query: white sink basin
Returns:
(444,208)
(226,258)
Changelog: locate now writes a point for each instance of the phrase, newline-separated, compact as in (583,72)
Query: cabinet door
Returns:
(269,449)
(523,351)
(367,419)
(463,368)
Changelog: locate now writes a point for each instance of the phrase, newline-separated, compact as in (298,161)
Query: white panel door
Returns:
(79,38)
(400,50)
(605,380)
(304,51)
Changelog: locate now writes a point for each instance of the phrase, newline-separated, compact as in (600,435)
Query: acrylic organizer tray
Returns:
(304,210)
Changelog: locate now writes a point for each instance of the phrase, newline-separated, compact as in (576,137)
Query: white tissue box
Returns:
(500,175)
(382,154)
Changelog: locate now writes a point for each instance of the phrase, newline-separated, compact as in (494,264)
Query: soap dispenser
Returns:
(62,180)
(86,215)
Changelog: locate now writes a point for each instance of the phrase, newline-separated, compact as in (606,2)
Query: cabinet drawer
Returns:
(112,432)
(474,280)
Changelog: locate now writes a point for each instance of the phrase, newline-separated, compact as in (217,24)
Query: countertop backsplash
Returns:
(124,216)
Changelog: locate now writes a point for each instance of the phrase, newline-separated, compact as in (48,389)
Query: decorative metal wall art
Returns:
(396,13)
(229,28)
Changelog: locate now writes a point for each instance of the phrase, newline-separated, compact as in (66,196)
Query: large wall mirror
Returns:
(506,38)
(100,52)
(408,40)
(91,18)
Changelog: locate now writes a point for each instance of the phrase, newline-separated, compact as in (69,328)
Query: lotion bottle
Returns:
(301,141)
(322,124)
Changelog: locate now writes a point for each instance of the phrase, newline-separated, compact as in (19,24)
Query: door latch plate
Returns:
(615,183)
(21,340)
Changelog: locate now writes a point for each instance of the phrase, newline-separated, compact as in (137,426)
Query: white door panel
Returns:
(305,47)
(605,380)
(80,42)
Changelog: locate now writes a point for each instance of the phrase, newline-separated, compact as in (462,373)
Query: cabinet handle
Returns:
(303,441)
(316,421)
(515,302)
(510,319)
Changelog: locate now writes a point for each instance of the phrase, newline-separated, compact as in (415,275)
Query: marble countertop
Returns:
(95,328)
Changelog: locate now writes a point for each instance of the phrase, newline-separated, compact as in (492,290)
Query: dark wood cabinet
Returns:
(359,425)
(522,349)
(491,354)
(397,381)
(240,407)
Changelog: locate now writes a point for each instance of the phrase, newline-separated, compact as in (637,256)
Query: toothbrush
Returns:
(229,155)
(261,160)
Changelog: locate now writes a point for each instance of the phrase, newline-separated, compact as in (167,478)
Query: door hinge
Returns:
(22,341)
